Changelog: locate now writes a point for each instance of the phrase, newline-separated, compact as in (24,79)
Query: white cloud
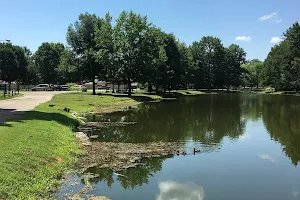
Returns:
(276,40)
(243,38)
(267,17)
(170,190)
(267,157)
(244,137)
(277,21)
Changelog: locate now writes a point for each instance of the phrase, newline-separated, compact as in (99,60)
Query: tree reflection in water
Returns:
(207,119)
(129,178)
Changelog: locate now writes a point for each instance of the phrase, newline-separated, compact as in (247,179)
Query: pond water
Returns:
(250,149)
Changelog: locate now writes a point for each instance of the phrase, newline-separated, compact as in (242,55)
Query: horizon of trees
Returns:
(134,50)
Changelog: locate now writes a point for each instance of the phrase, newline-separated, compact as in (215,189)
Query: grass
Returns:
(10,97)
(37,148)
(189,92)
(34,152)
(84,102)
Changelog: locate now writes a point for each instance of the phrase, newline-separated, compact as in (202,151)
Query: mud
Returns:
(118,156)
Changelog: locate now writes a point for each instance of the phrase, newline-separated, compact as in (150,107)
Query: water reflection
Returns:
(178,191)
(128,178)
(281,115)
(208,119)
(242,124)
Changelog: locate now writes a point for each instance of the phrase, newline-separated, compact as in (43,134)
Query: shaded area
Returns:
(281,116)
(21,116)
(6,114)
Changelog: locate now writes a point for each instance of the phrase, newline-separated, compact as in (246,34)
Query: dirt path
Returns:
(8,108)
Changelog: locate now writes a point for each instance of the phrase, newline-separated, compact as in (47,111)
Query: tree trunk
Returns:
(94,87)
(156,89)
(119,86)
(129,87)
(9,87)
(113,89)
(18,89)
(150,88)
(165,88)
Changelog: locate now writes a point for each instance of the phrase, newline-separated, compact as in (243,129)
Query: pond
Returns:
(250,149)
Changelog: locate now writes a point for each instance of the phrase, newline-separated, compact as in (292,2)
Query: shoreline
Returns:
(44,143)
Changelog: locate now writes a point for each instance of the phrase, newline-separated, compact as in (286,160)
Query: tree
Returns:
(235,57)
(281,66)
(105,48)
(174,71)
(276,71)
(47,60)
(208,61)
(31,76)
(253,70)
(81,37)
(186,65)
(154,59)
(129,39)
(13,62)
(293,36)
(67,69)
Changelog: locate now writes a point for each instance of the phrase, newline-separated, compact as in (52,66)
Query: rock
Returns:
(94,136)
(98,198)
(82,137)
(86,144)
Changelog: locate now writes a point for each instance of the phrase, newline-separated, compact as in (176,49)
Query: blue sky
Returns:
(31,22)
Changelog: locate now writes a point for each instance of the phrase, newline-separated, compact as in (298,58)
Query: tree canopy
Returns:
(132,49)
(13,63)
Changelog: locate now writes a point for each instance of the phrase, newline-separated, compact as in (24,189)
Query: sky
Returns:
(255,25)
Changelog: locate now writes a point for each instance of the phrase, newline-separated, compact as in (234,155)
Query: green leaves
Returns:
(47,61)
(13,62)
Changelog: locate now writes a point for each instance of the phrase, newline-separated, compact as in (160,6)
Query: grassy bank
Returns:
(39,146)
(34,152)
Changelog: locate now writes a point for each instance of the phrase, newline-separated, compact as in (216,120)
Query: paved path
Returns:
(28,102)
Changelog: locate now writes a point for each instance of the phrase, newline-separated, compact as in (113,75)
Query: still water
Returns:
(250,149)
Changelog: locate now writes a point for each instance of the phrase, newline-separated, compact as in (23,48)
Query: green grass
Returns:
(189,92)
(84,102)
(9,97)
(34,152)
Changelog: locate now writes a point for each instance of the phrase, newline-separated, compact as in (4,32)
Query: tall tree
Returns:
(105,48)
(130,33)
(252,73)
(208,60)
(13,62)
(174,71)
(235,57)
(281,66)
(67,70)
(81,37)
(31,77)
(47,60)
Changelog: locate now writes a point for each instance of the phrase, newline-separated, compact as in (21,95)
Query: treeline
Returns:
(134,50)
(281,68)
